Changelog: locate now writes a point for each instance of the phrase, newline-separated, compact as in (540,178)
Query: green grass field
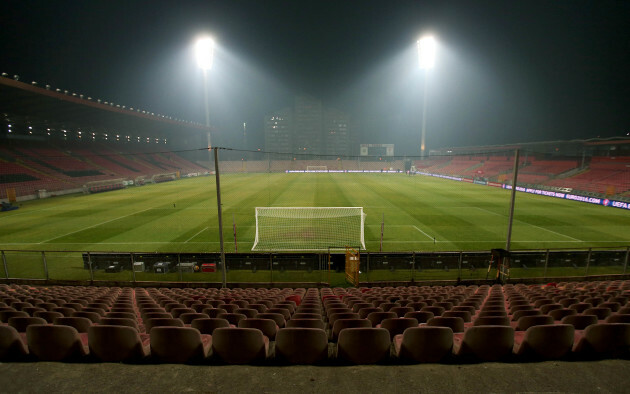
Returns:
(182,216)
(422,214)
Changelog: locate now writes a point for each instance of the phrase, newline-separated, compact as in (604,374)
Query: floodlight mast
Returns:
(426,58)
(204,51)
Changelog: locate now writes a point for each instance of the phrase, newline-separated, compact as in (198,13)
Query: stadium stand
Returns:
(604,176)
(502,328)
(33,166)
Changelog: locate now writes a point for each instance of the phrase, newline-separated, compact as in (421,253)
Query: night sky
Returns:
(506,71)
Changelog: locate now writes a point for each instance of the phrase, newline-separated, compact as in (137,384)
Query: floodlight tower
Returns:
(426,57)
(204,50)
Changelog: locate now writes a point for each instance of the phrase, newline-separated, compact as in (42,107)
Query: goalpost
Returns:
(316,168)
(308,228)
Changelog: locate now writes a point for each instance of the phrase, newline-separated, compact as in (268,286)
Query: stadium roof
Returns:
(41,107)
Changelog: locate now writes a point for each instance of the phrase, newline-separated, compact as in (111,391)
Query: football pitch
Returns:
(419,214)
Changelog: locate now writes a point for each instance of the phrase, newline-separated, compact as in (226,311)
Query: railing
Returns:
(314,268)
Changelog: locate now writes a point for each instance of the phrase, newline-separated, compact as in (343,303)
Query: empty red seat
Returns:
(547,342)
(301,345)
(456,324)
(306,323)
(12,348)
(492,321)
(116,343)
(606,340)
(485,343)
(208,325)
(526,322)
(268,327)
(580,322)
(55,343)
(21,323)
(240,345)
(377,317)
(424,344)
(420,316)
(179,344)
(363,345)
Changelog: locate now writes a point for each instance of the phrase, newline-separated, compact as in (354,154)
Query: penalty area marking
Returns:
(427,235)
(94,225)
(533,225)
(196,235)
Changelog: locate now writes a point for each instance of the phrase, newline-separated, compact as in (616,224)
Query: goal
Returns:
(158,178)
(308,228)
(316,168)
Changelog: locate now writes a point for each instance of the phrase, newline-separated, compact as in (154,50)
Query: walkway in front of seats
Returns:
(557,376)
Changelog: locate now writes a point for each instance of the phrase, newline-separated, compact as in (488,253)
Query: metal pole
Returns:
(179,267)
(220,214)
(424,114)
(207,110)
(321,265)
(382,230)
(588,260)
(133,269)
(6,269)
(329,262)
(512,200)
(459,269)
(234,228)
(546,263)
(625,263)
(90,265)
(45,264)
(413,266)
(367,267)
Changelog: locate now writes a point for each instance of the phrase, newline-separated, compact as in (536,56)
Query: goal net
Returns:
(316,168)
(308,228)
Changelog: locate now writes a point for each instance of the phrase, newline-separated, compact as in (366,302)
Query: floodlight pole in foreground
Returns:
(424,117)
(204,51)
(220,215)
(426,58)
(512,199)
(206,107)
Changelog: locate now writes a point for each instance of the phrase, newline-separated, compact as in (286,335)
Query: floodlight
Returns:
(204,50)
(426,52)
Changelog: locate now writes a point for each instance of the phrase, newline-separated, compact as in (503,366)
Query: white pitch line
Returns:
(196,235)
(94,225)
(427,235)
(533,225)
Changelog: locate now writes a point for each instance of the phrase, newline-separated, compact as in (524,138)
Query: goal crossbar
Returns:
(308,228)
(316,168)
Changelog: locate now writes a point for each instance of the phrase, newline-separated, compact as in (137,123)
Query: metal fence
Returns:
(278,268)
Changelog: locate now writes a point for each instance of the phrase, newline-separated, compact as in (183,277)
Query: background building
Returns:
(278,131)
(308,127)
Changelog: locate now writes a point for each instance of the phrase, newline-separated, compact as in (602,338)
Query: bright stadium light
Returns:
(204,50)
(426,52)
(426,61)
